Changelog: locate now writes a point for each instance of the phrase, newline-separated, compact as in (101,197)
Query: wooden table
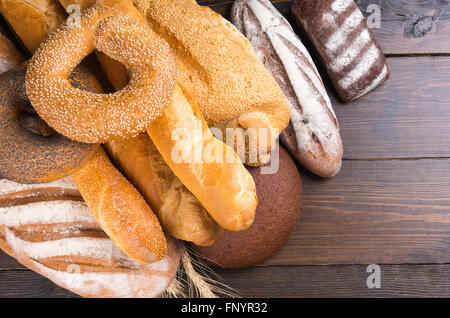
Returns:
(389,206)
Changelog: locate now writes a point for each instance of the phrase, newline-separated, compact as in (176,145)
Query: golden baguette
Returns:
(223,186)
(178,210)
(180,213)
(120,210)
(221,73)
(58,237)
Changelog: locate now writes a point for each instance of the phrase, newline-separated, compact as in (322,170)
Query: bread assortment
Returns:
(313,135)
(157,169)
(109,116)
(353,59)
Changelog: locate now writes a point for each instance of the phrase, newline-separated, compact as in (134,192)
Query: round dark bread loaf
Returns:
(280,201)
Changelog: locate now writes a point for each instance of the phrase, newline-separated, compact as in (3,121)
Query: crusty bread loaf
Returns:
(10,58)
(211,170)
(59,238)
(32,20)
(179,212)
(120,210)
(313,136)
(349,51)
(220,72)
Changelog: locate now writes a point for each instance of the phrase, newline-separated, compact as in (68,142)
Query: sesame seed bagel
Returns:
(92,117)
(32,155)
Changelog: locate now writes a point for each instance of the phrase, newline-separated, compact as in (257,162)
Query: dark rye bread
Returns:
(349,51)
(280,201)
(312,136)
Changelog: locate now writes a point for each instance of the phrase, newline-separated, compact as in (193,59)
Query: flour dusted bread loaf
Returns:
(210,169)
(220,72)
(58,237)
(313,136)
(32,20)
(339,31)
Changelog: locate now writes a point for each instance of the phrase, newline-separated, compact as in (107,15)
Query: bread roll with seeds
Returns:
(349,51)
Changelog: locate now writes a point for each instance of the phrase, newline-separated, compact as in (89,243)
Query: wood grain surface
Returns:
(390,205)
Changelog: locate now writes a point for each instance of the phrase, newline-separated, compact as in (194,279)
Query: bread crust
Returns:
(179,212)
(32,20)
(353,59)
(57,237)
(221,184)
(10,57)
(120,210)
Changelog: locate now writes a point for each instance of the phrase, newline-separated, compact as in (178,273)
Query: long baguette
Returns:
(313,136)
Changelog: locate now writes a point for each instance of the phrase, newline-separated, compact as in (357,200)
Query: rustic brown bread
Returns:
(312,137)
(349,51)
(10,58)
(32,20)
(280,198)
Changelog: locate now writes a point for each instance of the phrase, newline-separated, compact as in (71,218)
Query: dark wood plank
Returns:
(385,212)
(407,27)
(283,281)
(390,212)
(339,281)
(407,117)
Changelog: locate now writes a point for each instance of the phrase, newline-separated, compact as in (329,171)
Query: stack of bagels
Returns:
(114,138)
